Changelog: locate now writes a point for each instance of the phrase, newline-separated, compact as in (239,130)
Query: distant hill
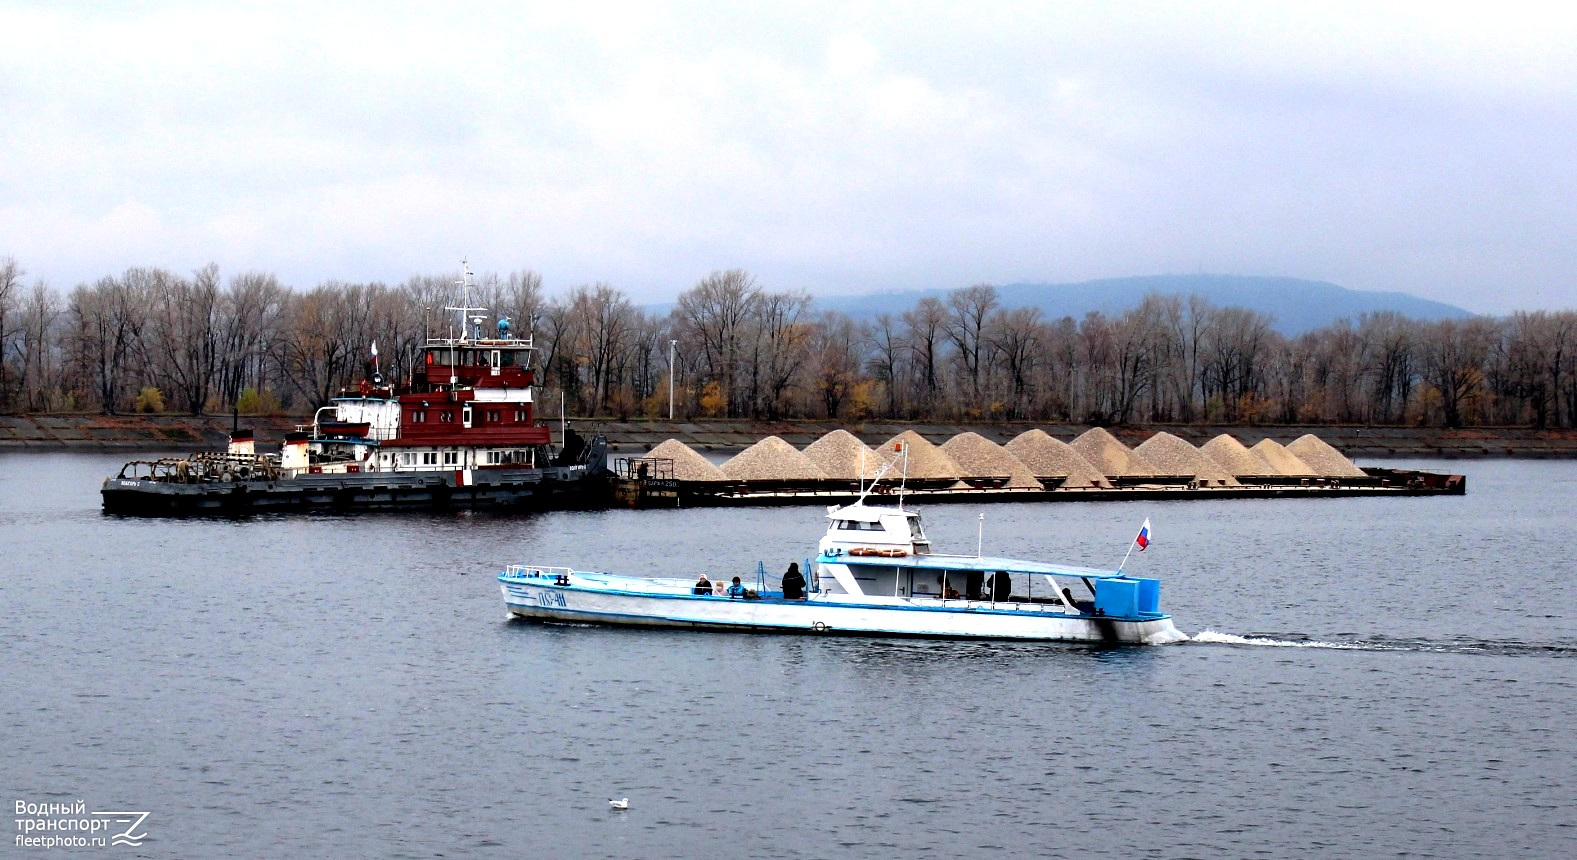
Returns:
(1296,305)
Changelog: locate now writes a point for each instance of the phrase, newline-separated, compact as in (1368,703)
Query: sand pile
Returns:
(772,459)
(838,455)
(925,460)
(1281,461)
(980,457)
(1173,456)
(1053,458)
(1235,457)
(1110,456)
(688,465)
(1327,461)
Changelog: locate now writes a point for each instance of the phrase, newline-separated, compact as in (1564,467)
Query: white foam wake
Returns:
(1216,638)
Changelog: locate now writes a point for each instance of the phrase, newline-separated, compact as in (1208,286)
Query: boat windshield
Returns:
(915,532)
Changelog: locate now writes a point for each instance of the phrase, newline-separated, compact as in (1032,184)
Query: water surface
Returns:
(1375,677)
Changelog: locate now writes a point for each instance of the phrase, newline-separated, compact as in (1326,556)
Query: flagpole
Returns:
(1125,556)
(1143,532)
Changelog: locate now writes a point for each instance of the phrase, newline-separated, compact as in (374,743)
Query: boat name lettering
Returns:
(550,598)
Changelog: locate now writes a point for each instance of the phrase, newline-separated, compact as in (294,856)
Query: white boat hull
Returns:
(667,603)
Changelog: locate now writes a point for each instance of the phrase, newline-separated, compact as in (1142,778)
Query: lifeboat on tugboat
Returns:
(463,433)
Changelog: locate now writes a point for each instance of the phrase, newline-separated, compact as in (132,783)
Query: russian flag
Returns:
(1143,540)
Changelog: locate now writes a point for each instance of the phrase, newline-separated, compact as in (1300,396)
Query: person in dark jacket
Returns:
(1001,585)
(793,583)
(702,585)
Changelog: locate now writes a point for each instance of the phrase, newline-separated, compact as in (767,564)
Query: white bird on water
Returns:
(621,803)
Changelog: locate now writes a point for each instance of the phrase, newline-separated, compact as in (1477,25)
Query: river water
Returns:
(1370,678)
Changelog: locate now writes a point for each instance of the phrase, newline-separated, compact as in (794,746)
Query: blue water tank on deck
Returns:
(1149,595)
(1118,598)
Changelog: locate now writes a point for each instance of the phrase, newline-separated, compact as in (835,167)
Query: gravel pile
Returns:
(925,460)
(1173,456)
(838,456)
(1235,457)
(772,459)
(980,457)
(1281,461)
(688,465)
(1047,457)
(1327,461)
(1110,456)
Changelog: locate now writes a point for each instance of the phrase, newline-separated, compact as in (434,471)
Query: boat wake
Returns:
(1212,637)
(1454,646)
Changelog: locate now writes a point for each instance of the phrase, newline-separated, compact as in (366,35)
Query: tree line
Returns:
(154,340)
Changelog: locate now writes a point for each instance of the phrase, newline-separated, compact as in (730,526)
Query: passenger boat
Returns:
(462,432)
(874,575)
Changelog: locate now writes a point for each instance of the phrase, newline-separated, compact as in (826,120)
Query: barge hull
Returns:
(554,487)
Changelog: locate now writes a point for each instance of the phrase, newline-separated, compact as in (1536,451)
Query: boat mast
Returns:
(460,314)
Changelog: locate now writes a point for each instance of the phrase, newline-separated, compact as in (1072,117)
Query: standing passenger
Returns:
(793,583)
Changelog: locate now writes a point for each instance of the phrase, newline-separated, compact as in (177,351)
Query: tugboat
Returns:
(463,433)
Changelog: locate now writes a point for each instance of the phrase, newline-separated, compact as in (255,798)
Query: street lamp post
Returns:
(672,345)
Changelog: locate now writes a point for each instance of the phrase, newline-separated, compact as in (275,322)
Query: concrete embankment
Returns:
(179,432)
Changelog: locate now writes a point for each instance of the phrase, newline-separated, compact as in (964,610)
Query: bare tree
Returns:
(10,282)
(107,320)
(968,309)
(1386,339)
(923,328)
(778,352)
(37,348)
(713,316)
(183,334)
(251,315)
(1014,336)
(1234,367)
(887,359)
(604,321)
(834,359)
(1452,355)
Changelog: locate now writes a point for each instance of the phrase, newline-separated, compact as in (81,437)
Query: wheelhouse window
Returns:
(419,416)
(446,416)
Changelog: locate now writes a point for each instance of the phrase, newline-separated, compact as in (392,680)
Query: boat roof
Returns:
(980,563)
(867,513)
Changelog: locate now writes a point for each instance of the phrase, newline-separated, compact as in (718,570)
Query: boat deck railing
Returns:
(528,571)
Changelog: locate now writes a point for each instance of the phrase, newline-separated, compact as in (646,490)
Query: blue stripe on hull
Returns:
(536,612)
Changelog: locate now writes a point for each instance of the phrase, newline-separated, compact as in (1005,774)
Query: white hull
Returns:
(603,599)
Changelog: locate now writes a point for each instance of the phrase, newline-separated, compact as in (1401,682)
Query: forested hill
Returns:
(1296,305)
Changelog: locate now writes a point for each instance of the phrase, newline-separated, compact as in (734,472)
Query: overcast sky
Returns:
(839,147)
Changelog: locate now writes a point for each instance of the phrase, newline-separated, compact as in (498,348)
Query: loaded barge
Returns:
(463,432)
(1033,467)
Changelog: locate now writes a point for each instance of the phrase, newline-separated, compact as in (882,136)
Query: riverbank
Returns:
(186,433)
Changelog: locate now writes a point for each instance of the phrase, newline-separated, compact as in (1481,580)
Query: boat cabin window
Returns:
(855,525)
(915,532)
